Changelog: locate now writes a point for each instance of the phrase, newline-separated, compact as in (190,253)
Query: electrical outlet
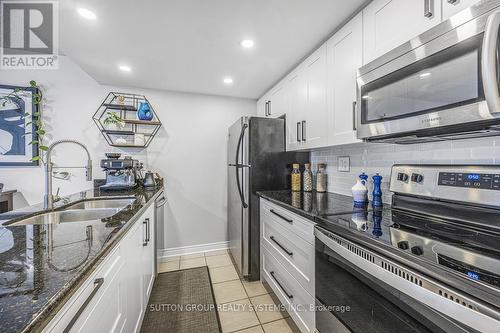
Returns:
(344,164)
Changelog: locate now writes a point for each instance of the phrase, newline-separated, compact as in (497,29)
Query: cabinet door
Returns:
(277,101)
(108,314)
(147,258)
(315,131)
(344,53)
(296,103)
(135,304)
(451,7)
(390,23)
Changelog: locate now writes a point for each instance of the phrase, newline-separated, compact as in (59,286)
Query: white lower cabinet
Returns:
(287,255)
(115,296)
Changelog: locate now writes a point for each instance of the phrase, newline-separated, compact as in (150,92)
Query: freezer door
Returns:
(238,194)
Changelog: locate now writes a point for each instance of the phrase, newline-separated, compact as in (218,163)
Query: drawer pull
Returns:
(281,216)
(281,246)
(97,285)
(279,284)
(145,234)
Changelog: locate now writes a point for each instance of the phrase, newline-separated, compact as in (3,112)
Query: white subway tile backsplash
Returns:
(373,158)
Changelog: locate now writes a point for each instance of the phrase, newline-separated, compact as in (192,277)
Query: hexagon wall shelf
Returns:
(134,133)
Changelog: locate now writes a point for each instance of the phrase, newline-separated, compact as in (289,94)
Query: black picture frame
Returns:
(33,108)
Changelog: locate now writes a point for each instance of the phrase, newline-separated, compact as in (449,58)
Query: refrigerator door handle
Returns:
(238,166)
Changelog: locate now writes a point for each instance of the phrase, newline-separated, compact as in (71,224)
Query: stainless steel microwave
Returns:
(441,85)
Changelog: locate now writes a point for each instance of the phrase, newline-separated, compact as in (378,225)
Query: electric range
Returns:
(429,263)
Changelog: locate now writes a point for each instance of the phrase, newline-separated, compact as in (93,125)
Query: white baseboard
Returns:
(180,251)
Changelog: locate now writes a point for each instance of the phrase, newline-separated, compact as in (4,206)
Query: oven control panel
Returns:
(485,181)
(474,184)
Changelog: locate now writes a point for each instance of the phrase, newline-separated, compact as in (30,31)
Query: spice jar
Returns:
(307,178)
(321,178)
(295,177)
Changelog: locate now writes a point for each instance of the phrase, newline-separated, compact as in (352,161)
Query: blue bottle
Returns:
(377,191)
(144,111)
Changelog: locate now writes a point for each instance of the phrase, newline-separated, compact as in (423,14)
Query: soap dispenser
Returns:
(359,191)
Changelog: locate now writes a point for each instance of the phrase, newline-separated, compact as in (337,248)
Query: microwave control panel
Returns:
(483,181)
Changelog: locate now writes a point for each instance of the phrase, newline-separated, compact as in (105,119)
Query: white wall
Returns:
(189,150)
(377,157)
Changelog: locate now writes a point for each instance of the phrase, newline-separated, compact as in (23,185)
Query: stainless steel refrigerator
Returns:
(257,161)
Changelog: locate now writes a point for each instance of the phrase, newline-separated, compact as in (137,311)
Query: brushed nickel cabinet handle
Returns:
(428,8)
(97,285)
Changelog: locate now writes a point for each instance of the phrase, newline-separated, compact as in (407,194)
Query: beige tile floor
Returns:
(235,296)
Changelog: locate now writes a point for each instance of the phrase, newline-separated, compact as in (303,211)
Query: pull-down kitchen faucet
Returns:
(48,201)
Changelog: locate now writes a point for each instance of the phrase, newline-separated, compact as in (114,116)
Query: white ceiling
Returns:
(191,45)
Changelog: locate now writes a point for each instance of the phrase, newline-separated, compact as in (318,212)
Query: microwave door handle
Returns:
(489,63)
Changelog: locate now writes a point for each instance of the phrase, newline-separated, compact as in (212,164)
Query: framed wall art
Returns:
(18,137)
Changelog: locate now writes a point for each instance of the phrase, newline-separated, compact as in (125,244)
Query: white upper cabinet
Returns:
(345,56)
(314,125)
(451,7)
(390,23)
(296,98)
(277,102)
(273,104)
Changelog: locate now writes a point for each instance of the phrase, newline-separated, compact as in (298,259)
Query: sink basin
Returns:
(102,203)
(81,211)
(68,215)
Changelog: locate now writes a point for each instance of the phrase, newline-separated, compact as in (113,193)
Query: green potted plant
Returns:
(113,121)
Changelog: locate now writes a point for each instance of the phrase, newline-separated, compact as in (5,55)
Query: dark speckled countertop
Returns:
(42,265)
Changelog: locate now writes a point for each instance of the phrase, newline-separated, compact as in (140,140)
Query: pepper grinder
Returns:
(377,191)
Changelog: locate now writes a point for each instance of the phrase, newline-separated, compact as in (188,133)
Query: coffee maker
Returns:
(121,174)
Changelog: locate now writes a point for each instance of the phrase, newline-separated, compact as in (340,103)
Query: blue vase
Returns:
(144,111)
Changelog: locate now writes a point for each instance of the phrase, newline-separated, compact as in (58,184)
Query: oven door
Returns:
(449,80)
(357,290)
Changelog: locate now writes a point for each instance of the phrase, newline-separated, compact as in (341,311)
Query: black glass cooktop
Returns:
(465,248)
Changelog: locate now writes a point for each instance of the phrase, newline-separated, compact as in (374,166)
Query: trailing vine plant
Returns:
(34,118)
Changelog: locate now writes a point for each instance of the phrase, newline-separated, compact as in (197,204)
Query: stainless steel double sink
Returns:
(85,210)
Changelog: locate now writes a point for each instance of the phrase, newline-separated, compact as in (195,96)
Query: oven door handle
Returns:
(489,63)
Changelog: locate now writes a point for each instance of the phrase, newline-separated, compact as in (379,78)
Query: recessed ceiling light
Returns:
(125,68)
(247,43)
(426,74)
(228,80)
(85,13)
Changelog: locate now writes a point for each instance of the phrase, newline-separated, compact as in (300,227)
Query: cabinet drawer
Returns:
(296,224)
(293,252)
(299,303)
(92,290)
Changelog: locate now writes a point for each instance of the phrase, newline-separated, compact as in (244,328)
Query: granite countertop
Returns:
(41,266)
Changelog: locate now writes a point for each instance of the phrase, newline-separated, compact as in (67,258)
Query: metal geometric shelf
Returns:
(134,133)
